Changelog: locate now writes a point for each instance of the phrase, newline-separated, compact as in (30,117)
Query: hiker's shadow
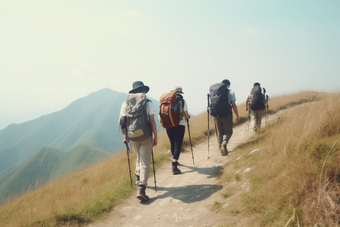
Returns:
(214,171)
(186,194)
(190,193)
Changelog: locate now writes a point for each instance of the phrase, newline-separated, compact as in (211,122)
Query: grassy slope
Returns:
(297,170)
(44,166)
(92,192)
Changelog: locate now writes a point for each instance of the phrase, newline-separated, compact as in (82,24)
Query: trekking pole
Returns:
(154,172)
(267,97)
(208,122)
(265,109)
(153,165)
(128,157)
(192,153)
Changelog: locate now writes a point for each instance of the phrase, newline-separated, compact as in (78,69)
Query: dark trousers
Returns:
(176,136)
(223,129)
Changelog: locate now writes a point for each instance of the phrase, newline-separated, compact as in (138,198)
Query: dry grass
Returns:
(89,194)
(70,199)
(285,175)
(298,167)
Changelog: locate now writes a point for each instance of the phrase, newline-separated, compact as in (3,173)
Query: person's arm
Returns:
(154,129)
(235,110)
(186,115)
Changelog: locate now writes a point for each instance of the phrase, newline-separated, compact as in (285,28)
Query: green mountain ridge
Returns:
(46,165)
(91,120)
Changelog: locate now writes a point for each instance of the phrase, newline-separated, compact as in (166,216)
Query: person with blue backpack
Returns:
(221,107)
(139,127)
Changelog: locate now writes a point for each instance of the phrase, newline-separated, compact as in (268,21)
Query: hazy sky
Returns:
(54,52)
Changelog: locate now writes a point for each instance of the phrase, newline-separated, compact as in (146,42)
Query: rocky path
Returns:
(181,200)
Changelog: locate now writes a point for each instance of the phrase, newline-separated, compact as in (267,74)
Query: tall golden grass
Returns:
(88,194)
(298,169)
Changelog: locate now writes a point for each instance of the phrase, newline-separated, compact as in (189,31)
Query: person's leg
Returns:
(253,120)
(145,158)
(171,135)
(259,115)
(145,151)
(179,134)
(227,130)
(218,131)
(135,147)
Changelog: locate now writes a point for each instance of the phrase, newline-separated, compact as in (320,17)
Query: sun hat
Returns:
(178,89)
(138,86)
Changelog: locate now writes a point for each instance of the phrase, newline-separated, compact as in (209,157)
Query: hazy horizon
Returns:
(55,52)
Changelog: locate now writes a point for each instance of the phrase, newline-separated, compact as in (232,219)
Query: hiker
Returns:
(224,121)
(256,104)
(142,145)
(176,134)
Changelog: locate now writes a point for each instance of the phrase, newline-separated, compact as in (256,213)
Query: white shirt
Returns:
(183,121)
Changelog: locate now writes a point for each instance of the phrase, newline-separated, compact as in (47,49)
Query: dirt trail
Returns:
(185,199)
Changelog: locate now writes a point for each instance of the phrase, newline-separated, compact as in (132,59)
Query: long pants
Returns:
(223,129)
(176,135)
(143,151)
(256,118)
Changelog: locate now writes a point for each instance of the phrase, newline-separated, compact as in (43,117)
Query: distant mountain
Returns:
(6,120)
(92,120)
(44,166)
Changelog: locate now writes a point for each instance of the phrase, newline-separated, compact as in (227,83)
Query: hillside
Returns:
(44,166)
(287,175)
(92,120)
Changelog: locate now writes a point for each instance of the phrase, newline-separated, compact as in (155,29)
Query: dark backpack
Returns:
(171,107)
(256,101)
(219,94)
(136,125)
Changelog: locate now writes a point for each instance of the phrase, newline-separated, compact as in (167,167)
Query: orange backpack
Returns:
(169,110)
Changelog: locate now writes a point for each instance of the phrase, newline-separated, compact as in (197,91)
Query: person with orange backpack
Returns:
(173,113)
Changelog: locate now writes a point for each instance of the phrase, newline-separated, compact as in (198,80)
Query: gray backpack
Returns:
(138,126)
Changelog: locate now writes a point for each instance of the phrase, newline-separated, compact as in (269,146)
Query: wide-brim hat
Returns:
(138,86)
(178,89)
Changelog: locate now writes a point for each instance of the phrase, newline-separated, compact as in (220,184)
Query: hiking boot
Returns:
(137,179)
(224,150)
(175,169)
(141,193)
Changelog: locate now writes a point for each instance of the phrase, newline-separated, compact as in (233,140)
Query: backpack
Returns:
(136,125)
(171,107)
(256,101)
(219,106)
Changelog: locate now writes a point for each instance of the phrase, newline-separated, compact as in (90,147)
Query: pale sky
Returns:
(54,52)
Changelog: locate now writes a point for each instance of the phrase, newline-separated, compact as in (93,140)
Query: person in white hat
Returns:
(176,134)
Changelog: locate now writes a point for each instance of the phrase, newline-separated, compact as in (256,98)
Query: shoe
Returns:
(141,193)
(137,179)
(175,169)
(224,150)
